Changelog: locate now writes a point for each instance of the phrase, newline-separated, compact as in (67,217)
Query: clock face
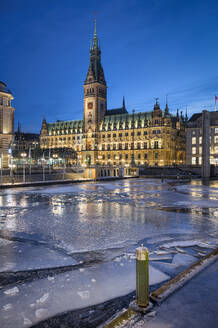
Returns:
(90,105)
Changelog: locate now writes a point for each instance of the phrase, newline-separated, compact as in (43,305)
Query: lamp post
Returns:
(43,167)
(49,161)
(30,160)
(23,158)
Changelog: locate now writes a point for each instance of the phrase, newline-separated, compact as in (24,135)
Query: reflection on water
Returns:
(95,215)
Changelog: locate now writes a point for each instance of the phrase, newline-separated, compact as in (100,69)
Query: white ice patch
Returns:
(7,307)
(40,313)
(43,298)
(84,294)
(26,321)
(12,291)
(4,242)
(187,243)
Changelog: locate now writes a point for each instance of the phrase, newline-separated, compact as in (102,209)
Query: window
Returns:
(120,156)
(193,160)
(108,147)
(109,136)
(193,133)
(126,145)
(145,133)
(126,156)
(126,134)
(156,145)
(200,150)
(120,146)
(216,130)
(145,145)
(139,156)
(132,145)
(138,133)
(108,156)
(193,140)
(156,155)
(200,160)
(114,146)
(200,140)
(114,135)
(120,135)
(145,156)
(216,139)
(103,156)
(138,145)
(132,134)
(103,147)
(103,136)
(193,150)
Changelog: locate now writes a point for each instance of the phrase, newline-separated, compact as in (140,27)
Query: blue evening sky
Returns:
(149,49)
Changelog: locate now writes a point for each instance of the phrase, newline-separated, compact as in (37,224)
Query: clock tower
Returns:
(95,103)
(95,90)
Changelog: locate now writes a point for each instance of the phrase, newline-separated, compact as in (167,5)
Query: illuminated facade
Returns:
(196,142)
(115,137)
(6,124)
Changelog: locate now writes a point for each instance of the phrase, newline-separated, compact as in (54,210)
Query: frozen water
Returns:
(183,259)
(26,257)
(98,226)
(73,290)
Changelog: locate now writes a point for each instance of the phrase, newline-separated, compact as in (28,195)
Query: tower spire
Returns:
(186,114)
(95,38)
(124,105)
(166,108)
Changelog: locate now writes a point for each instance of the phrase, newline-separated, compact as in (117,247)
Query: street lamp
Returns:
(23,155)
(43,167)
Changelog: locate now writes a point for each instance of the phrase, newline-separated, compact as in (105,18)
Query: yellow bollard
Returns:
(142,276)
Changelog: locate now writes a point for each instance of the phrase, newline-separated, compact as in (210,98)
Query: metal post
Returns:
(142,276)
(23,171)
(30,171)
(64,167)
(43,171)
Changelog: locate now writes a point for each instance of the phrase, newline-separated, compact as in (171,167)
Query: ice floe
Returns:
(12,291)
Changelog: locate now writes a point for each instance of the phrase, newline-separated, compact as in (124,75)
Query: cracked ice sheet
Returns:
(44,298)
(19,256)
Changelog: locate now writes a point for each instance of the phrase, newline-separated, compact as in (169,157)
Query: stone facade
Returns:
(202,138)
(6,124)
(115,137)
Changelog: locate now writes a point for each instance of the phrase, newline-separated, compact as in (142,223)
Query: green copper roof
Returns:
(124,121)
(66,126)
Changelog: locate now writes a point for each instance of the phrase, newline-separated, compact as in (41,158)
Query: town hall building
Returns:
(115,137)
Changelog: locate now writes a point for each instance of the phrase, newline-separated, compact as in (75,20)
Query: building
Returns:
(196,140)
(24,146)
(6,124)
(116,137)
